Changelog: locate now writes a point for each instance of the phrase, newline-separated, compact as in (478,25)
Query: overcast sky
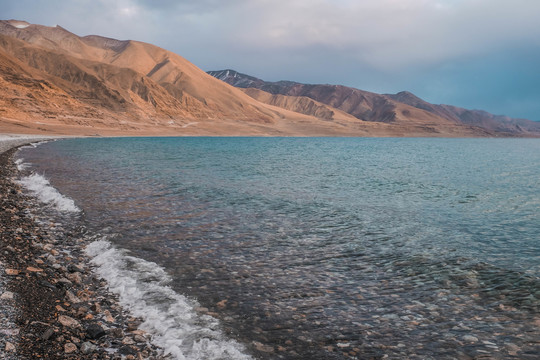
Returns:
(478,54)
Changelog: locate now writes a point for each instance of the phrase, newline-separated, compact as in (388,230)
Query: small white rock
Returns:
(8,295)
(9,347)
(87,348)
(68,321)
(470,338)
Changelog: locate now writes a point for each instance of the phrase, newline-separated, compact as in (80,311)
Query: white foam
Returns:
(169,317)
(34,145)
(42,189)
(21,165)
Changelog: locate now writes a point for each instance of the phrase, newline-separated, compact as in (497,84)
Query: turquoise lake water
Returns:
(325,248)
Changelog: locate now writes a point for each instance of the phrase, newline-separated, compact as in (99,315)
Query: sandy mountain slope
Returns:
(122,82)
(300,104)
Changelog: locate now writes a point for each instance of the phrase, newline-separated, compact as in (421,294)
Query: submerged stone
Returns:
(94,331)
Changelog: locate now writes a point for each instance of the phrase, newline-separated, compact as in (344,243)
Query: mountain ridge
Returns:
(55,82)
(115,77)
(369,106)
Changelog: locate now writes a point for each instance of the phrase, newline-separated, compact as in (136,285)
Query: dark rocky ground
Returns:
(51,304)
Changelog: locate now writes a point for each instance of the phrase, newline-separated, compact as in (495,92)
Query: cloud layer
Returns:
(459,51)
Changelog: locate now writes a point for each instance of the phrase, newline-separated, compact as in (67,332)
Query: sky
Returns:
(477,54)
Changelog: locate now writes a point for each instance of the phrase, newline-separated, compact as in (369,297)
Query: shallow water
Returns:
(324,247)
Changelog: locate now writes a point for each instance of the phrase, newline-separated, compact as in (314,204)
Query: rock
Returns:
(117,333)
(72,298)
(128,341)
(64,282)
(108,316)
(127,350)
(513,349)
(390,317)
(47,334)
(94,331)
(84,295)
(33,269)
(139,339)
(82,311)
(10,332)
(470,338)
(46,284)
(87,347)
(95,307)
(139,332)
(75,277)
(7,295)
(133,325)
(74,268)
(9,347)
(12,272)
(262,347)
(70,348)
(68,322)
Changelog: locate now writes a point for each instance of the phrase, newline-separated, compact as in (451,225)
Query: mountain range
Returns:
(369,106)
(55,82)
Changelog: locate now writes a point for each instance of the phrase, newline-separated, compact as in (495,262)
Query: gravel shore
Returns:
(52,305)
(8,142)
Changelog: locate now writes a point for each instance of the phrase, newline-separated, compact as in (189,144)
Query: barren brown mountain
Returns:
(495,123)
(53,81)
(402,109)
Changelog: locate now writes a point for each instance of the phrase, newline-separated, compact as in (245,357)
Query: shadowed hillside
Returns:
(386,108)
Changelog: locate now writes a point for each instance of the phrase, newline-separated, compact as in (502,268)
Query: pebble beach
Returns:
(52,305)
(352,284)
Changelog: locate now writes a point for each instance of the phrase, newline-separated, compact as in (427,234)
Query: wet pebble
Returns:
(70,348)
(68,321)
(95,331)
(87,347)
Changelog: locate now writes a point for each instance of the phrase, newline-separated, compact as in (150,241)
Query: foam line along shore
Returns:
(52,305)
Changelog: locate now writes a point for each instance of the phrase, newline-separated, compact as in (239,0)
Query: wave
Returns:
(21,165)
(33,145)
(42,189)
(170,318)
